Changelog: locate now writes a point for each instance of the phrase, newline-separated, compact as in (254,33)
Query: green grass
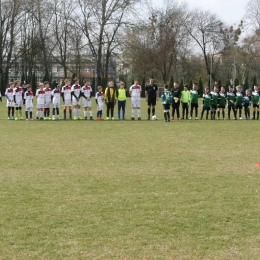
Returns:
(129,190)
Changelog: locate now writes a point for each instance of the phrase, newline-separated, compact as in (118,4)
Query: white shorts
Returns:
(19,103)
(29,109)
(87,103)
(39,106)
(47,104)
(56,105)
(10,104)
(67,103)
(136,102)
(75,102)
(100,106)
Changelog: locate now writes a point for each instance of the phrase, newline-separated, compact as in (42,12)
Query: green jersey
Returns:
(255,97)
(239,98)
(206,100)
(194,95)
(214,95)
(230,97)
(166,97)
(222,99)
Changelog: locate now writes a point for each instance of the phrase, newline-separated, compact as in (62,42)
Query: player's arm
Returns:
(7,96)
(130,91)
(0,98)
(73,94)
(62,95)
(146,93)
(96,97)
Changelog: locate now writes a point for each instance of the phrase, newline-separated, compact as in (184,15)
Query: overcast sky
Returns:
(230,11)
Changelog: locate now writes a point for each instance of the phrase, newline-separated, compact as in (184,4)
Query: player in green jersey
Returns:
(206,99)
(166,101)
(194,100)
(185,101)
(231,102)
(239,101)
(247,103)
(222,100)
(214,102)
(256,102)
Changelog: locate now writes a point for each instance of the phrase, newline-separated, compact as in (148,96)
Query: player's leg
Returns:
(178,109)
(108,110)
(257,108)
(149,109)
(112,110)
(9,111)
(207,113)
(53,111)
(196,111)
(153,107)
(223,112)
(187,110)
(133,101)
(119,107)
(245,111)
(31,112)
(202,113)
(89,109)
(234,111)
(191,110)
(173,109)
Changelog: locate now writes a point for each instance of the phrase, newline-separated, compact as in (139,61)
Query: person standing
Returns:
(135,92)
(185,100)
(121,97)
(18,99)
(176,94)
(110,99)
(151,95)
(194,100)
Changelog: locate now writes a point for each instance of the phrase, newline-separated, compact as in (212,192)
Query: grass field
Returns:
(129,190)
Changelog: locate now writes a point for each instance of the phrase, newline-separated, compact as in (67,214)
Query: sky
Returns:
(230,11)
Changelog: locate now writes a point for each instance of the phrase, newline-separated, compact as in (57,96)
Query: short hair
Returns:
(136,79)
(122,83)
(86,80)
(176,82)
(152,77)
(99,87)
(66,80)
(16,82)
(206,88)
(11,83)
(46,82)
(75,79)
(223,87)
(41,84)
(166,86)
(195,83)
(29,86)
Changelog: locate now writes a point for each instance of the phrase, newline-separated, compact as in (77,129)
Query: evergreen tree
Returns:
(200,87)
(227,83)
(22,78)
(254,82)
(236,82)
(170,83)
(181,85)
(53,84)
(34,83)
(143,87)
(190,84)
(2,84)
(103,84)
(45,78)
(219,83)
(246,85)
(93,86)
(74,75)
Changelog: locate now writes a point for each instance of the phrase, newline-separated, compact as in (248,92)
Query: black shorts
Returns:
(221,107)
(206,108)
(214,106)
(255,105)
(151,102)
(239,106)
(194,105)
(166,106)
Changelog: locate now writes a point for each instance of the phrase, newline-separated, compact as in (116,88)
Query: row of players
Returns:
(71,95)
(214,101)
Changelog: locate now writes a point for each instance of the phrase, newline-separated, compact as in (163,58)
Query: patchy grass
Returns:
(129,190)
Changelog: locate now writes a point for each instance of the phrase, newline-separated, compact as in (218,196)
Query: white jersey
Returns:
(56,96)
(86,91)
(9,93)
(40,94)
(77,91)
(18,93)
(99,97)
(136,91)
(66,90)
(48,92)
(28,97)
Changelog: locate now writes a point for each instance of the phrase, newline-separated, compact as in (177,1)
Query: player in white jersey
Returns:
(100,102)
(76,94)
(86,92)
(56,102)
(9,94)
(66,97)
(28,102)
(18,99)
(135,92)
(47,100)
(40,96)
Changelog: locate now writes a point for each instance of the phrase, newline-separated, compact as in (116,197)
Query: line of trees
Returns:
(173,42)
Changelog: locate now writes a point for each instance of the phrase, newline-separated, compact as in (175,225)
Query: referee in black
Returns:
(176,95)
(151,95)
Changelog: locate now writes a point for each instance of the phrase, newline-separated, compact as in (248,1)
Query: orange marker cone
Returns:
(257,165)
